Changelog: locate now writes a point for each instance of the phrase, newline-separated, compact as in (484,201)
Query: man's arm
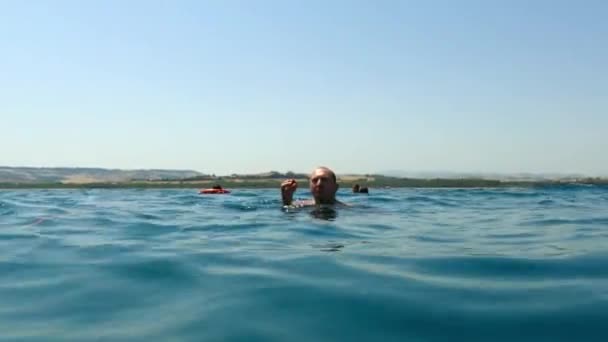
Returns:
(288,188)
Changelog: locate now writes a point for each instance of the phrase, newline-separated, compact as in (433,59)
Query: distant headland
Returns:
(66,177)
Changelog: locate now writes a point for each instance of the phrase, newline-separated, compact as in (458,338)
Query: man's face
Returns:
(322,184)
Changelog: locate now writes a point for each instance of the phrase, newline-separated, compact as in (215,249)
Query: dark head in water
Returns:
(217,187)
(358,189)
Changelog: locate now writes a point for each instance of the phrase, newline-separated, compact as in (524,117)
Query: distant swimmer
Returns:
(358,189)
(216,189)
(323,186)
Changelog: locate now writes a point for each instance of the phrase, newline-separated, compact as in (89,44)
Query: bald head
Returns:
(323,185)
(325,170)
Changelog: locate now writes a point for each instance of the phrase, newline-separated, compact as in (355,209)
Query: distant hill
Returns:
(253,176)
(481,175)
(77,175)
(87,175)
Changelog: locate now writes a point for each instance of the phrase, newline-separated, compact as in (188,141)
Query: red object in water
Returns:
(214,191)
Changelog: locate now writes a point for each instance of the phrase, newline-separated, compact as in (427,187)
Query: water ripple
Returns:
(400,264)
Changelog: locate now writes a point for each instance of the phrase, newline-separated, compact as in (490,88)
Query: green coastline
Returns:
(376,182)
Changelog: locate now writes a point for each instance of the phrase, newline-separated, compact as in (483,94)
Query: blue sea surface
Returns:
(399,265)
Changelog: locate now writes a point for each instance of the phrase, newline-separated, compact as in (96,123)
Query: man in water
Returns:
(323,186)
(358,189)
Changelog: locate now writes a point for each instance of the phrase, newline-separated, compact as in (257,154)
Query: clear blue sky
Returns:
(360,86)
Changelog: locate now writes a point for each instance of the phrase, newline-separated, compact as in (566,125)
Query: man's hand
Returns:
(288,188)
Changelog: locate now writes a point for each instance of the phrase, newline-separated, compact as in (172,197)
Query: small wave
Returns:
(383,199)
(227,228)
(169,270)
(104,220)
(18,236)
(7,211)
(245,194)
(500,268)
(517,268)
(381,227)
(148,229)
(189,199)
(146,216)
(329,247)
(525,193)
(435,239)
(521,235)
(430,200)
(240,206)
(556,222)
(326,232)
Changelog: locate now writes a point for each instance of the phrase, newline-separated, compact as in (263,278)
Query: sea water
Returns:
(398,265)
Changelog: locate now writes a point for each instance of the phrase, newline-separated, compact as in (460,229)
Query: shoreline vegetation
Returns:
(257,182)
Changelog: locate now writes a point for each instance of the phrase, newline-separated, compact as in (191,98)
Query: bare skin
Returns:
(323,187)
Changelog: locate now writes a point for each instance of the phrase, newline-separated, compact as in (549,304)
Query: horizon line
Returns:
(383,172)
